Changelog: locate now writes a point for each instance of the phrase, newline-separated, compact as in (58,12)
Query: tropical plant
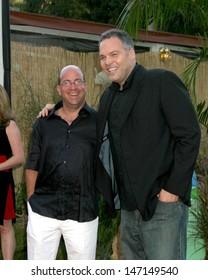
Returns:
(185,17)
(200,209)
(189,78)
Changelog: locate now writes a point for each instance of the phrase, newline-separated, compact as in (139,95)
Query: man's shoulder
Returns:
(90,109)
(155,72)
(90,113)
(40,121)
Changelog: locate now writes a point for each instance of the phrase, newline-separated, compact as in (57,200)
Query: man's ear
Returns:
(132,53)
(58,89)
(86,86)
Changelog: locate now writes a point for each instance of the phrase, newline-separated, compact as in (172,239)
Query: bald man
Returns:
(62,199)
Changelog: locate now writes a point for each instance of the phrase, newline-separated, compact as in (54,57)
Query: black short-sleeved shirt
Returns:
(63,155)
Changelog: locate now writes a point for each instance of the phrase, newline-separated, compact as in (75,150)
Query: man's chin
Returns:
(113,78)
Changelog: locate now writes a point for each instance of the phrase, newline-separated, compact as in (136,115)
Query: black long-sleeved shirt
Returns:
(63,155)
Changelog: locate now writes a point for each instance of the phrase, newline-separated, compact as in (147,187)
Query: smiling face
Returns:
(116,60)
(72,87)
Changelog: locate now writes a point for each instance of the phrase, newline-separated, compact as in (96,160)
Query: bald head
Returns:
(70,68)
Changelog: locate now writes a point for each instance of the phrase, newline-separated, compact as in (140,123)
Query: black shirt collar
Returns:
(85,109)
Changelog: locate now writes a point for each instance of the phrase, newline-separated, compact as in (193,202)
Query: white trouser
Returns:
(43,237)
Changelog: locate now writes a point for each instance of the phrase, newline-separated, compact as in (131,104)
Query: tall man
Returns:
(154,138)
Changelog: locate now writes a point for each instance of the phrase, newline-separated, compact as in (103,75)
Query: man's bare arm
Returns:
(31,177)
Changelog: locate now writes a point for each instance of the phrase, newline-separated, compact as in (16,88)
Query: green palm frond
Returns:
(189,78)
(185,17)
(202,113)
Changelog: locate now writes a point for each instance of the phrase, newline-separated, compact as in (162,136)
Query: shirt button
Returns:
(69,131)
(64,161)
